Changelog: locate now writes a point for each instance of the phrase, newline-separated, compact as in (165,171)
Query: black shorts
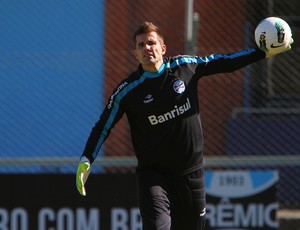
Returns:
(171,202)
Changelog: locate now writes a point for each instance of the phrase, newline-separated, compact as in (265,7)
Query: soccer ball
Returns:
(273,33)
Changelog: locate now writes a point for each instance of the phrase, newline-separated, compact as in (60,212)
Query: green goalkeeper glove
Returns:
(82,174)
(274,51)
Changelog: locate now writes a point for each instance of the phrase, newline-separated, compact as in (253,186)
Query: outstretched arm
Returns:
(225,63)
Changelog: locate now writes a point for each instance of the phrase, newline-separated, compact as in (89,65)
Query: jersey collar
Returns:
(157,73)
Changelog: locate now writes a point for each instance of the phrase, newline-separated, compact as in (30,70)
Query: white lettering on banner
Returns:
(91,223)
(4,219)
(65,219)
(120,219)
(45,215)
(17,219)
(229,215)
(227,180)
(135,219)
(178,110)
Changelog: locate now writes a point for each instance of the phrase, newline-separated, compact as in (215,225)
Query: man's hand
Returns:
(82,174)
(274,51)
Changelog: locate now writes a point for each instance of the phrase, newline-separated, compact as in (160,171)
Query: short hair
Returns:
(147,27)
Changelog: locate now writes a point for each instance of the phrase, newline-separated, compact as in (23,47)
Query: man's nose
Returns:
(146,47)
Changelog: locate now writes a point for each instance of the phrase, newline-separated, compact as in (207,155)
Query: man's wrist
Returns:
(84,159)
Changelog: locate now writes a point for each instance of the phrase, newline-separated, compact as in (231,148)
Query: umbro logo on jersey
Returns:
(148,99)
(179,86)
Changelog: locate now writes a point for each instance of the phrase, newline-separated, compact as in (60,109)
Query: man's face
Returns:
(149,51)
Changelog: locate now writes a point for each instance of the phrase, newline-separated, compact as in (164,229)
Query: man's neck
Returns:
(152,68)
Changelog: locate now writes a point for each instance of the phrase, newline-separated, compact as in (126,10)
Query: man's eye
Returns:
(151,43)
(141,45)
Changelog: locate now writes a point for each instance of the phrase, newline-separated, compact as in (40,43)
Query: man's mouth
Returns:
(148,55)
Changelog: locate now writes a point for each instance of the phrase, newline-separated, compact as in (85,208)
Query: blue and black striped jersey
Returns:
(163,110)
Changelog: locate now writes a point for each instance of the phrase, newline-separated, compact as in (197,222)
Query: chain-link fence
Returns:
(60,62)
(250,117)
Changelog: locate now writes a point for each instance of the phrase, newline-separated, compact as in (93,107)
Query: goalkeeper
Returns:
(161,104)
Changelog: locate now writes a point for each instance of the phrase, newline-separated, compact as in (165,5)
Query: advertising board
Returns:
(235,200)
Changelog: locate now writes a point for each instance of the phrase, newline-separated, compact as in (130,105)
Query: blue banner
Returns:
(51,75)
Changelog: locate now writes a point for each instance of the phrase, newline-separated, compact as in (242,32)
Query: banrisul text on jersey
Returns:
(178,110)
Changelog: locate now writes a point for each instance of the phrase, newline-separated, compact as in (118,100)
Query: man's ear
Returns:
(163,49)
